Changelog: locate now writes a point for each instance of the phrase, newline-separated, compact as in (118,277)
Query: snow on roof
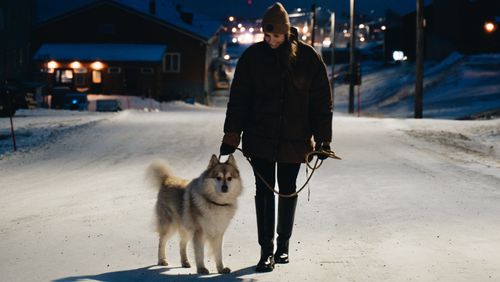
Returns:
(202,25)
(105,52)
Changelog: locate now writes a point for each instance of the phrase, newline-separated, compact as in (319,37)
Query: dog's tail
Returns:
(157,172)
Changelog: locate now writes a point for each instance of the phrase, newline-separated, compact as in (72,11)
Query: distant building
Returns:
(126,47)
(450,25)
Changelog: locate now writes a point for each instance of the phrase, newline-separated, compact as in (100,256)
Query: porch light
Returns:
(97,65)
(52,65)
(75,65)
(489,27)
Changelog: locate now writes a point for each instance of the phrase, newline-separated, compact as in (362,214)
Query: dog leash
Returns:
(309,157)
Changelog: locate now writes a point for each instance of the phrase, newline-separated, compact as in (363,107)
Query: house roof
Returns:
(104,52)
(202,26)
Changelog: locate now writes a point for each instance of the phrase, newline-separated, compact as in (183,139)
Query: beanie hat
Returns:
(275,20)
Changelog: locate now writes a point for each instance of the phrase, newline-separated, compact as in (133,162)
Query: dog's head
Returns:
(223,177)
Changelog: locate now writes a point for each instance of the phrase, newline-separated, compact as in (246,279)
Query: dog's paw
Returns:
(225,270)
(162,262)
(203,270)
(185,264)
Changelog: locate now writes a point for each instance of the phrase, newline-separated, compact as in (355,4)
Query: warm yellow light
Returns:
(231,18)
(52,65)
(75,65)
(305,29)
(251,29)
(234,29)
(97,65)
(489,27)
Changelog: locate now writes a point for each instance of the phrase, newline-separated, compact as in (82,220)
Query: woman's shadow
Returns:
(154,273)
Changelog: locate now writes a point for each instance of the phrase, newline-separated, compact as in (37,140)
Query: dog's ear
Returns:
(213,161)
(231,160)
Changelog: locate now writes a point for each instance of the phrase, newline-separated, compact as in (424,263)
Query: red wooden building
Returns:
(141,48)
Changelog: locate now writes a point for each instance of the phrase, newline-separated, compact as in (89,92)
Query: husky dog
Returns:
(200,209)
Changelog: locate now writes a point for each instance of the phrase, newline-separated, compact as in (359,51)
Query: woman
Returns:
(280,98)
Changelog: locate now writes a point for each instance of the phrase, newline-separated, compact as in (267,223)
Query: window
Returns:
(96,76)
(114,70)
(147,70)
(172,62)
(64,76)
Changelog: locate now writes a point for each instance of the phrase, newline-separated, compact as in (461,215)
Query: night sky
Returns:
(223,8)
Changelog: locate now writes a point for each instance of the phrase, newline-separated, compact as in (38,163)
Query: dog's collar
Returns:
(210,201)
(213,202)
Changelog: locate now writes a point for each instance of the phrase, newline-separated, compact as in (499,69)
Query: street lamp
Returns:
(352,65)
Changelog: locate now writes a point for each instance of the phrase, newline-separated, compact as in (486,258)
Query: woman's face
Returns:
(274,39)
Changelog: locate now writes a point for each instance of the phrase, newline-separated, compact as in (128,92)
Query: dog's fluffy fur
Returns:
(200,209)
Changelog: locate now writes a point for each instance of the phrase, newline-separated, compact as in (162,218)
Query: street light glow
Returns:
(399,56)
(231,18)
(489,27)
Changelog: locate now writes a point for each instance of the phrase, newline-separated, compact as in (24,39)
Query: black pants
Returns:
(287,177)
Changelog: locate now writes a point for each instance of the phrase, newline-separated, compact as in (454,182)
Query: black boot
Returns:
(264,209)
(286,215)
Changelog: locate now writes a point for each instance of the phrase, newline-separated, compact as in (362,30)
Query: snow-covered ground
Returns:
(412,200)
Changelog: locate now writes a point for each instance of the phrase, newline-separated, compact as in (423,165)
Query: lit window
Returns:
(64,76)
(172,62)
(96,77)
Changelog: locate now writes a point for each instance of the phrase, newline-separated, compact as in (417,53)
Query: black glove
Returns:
(226,149)
(324,147)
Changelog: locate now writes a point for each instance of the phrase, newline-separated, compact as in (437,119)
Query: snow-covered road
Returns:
(411,200)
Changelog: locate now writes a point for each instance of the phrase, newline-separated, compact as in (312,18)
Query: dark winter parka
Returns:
(278,108)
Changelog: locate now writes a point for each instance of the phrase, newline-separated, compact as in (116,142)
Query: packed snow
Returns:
(412,200)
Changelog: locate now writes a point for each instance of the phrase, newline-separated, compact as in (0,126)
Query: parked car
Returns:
(75,101)
(107,105)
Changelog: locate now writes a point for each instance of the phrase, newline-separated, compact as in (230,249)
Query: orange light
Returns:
(489,27)
(75,65)
(97,65)
(52,65)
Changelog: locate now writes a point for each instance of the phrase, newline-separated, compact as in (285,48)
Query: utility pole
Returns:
(332,60)
(352,66)
(313,30)
(419,63)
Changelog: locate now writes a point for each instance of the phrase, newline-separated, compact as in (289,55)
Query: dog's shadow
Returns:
(154,273)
